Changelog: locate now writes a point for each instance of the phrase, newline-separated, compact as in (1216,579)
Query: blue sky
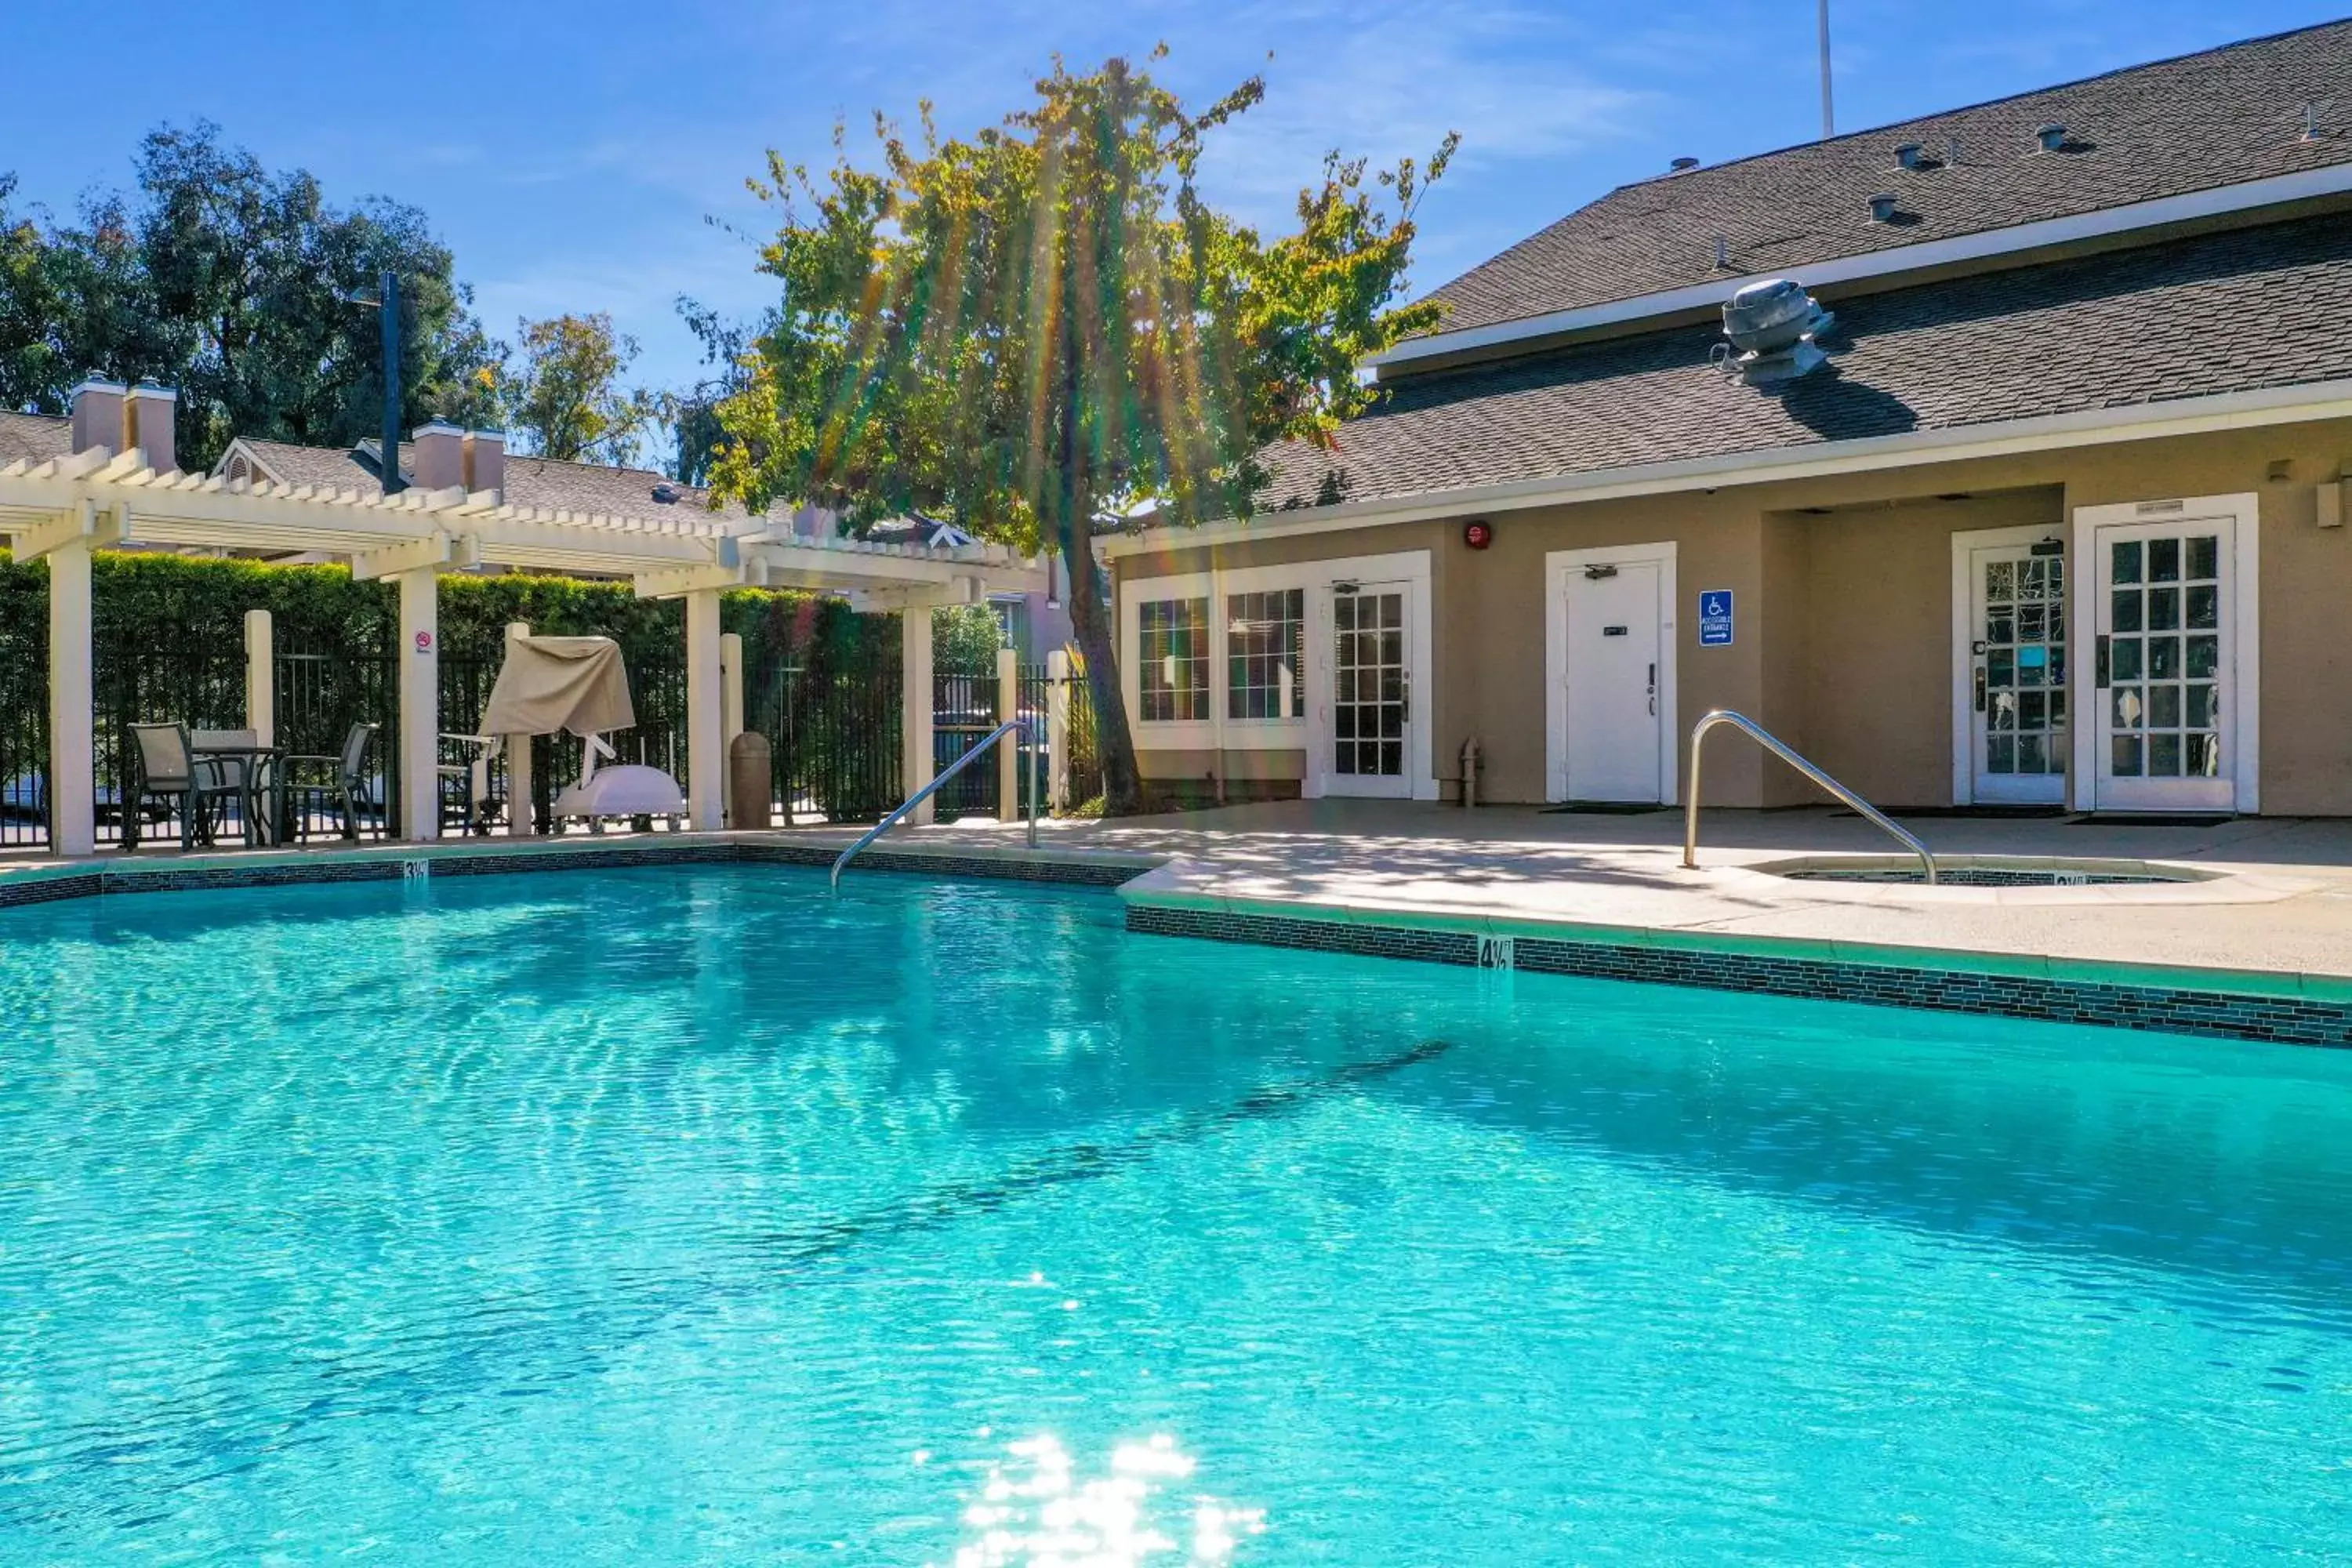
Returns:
(570,154)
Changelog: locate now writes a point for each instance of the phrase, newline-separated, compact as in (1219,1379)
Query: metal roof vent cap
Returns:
(1772,326)
(665,493)
(1680,165)
(2052,137)
(1910,155)
(1882,209)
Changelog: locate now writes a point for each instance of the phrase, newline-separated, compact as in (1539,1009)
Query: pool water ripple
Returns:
(664,1217)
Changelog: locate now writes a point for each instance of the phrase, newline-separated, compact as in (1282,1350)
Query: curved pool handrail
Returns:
(1023,726)
(1772,744)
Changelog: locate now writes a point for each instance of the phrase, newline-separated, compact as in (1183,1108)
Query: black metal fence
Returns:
(829,706)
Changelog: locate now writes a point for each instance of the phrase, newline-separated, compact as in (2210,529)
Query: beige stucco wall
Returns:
(1845,609)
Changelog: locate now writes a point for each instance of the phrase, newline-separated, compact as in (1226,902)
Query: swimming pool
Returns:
(690,1216)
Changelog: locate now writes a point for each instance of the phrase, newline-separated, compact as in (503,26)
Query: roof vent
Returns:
(1911,155)
(2052,137)
(1723,250)
(2313,113)
(1771,327)
(1882,209)
(665,493)
(1952,151)
(1679,164)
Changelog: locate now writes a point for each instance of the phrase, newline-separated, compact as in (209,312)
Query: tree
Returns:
(566,394)
(693,414)
(1044,328)
(238,286)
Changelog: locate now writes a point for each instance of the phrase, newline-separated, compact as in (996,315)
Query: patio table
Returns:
(254,762)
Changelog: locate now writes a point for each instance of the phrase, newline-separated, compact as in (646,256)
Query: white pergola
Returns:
(63,508)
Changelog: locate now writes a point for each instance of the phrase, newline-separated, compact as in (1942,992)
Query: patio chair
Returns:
(339,783)
(166,773)
(467,802)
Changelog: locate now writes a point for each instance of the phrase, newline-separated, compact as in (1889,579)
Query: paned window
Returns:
(1265,635)
(1173,663)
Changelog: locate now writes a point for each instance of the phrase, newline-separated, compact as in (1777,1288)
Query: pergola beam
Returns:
(434,552)
(86,524)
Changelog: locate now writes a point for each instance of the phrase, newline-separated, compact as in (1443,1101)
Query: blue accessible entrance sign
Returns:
(1715,618)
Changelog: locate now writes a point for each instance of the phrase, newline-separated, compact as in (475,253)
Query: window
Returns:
(1264,634)
(1174,658)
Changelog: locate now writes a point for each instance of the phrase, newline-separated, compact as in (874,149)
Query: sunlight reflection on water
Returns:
(1034,1512)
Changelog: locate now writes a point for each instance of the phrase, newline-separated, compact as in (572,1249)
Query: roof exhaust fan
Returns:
(1771,327)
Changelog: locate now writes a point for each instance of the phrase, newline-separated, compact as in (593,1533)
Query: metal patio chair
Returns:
(337,782)
(167,771)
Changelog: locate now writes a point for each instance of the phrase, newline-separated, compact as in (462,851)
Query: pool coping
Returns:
(1160,896)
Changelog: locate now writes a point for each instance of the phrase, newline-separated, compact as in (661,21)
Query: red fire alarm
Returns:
(1478,535)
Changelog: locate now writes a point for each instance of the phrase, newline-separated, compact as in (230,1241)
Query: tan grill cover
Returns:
(560,683)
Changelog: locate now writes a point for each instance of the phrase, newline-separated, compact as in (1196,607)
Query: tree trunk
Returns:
(1090,617)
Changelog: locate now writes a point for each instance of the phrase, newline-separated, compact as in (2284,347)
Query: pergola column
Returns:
(916,759)
(730,715)
(419,748)
(523,811)
(72,775)
(706,760)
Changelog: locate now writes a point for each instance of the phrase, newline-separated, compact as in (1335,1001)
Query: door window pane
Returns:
(2164,560)
(2164,658)
(2124,707)
(2122,759)
(2164,609)
(2204,657)
(2203,713)
(2124,562)
(2124,610)
(2164,756)
(2163,706)
(2122,658)
(2205,556)
(2203,760)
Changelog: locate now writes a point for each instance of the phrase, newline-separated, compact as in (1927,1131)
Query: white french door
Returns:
(2017,654)
(1369,667)
(2166,731)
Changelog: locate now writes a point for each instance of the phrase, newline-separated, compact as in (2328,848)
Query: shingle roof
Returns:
(588,487)
(2224,312)
(2220,118)
(36,436)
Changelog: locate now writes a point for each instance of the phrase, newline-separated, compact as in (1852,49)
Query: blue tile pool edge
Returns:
(2270,1007)
(2180,1008)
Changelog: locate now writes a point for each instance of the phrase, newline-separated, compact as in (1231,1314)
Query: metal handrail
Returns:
(1772,743)
(1022,726)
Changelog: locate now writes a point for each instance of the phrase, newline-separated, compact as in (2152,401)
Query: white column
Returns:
(261,677)
(915,698)
(1058,729)
(731,710)
(521,822)
(419,749)
(706,763)
(1008,750)
(72,776)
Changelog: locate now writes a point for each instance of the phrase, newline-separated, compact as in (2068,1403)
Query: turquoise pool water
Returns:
(673,1216)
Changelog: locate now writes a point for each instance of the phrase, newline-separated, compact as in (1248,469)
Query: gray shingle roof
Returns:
(530,481)
(35,436)
(2220,118)
(2225,312)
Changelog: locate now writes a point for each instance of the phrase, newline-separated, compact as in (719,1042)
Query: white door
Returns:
(2165,673)
(1615,661)
(2017,652)
(1370,674)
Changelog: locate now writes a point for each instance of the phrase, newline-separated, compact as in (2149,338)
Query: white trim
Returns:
(1308,733)
(2045,433)
(1558,564)
(2244,510)
(2017,239)
(1964,737)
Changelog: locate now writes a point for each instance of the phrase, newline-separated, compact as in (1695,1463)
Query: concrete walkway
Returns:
(2279,901)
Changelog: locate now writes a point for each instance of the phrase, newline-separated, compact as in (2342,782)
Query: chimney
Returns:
(486,460)
(98,415)
(147,424)
(437,455)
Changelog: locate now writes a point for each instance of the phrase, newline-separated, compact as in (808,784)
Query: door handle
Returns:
(1653,692)
(2099,678)
(1981,689)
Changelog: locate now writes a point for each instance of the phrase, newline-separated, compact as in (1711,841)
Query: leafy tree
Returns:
(965,638)
(239,286)
(566,394)
(693,414)
(1044,328)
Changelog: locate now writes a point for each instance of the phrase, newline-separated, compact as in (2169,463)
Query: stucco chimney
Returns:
(98,415)
(437,455)
(486,460)
(147,416)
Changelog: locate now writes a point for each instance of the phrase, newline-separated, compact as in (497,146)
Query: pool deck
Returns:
(2275,915)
